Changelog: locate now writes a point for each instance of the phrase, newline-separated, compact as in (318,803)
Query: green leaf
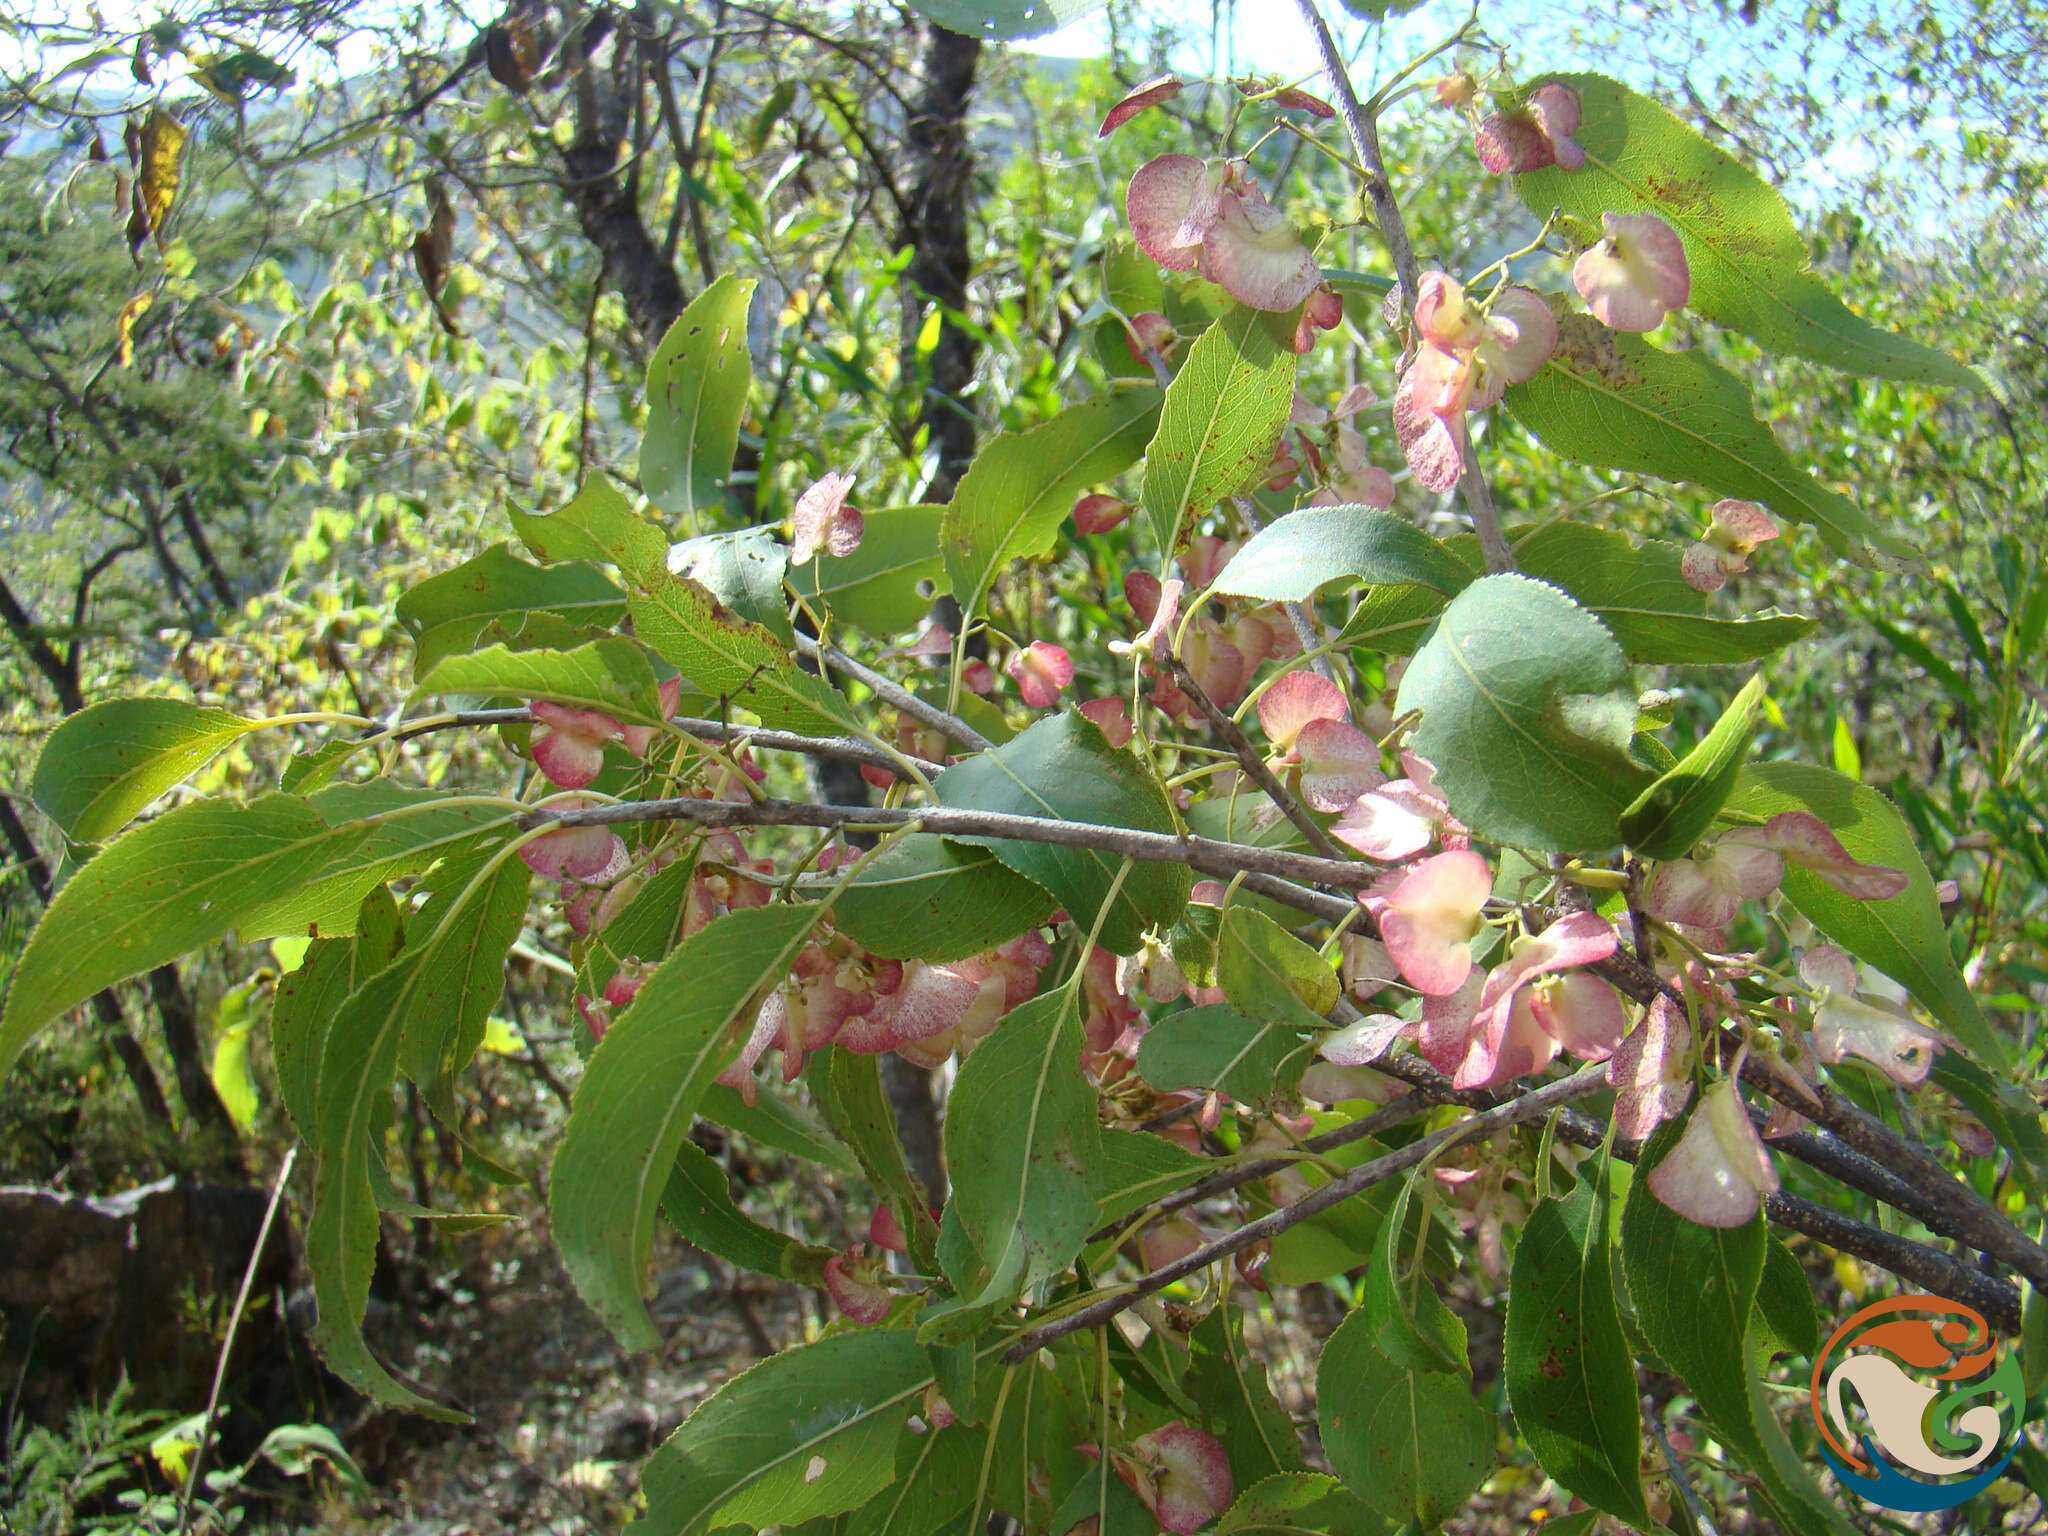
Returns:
(229,1070)
(1224,413)
(772,1121)
(743,568)
(1694,1290)
(937,1474)
(1616,402)
(1412,1444)
(598,524)
(806,1433)
(1020,488)
(1229,1382)
(2012,1117)
(1786,1321)
(358,1061)
(1022,1094)
(847,1089)
(1101,1497)
(1302,1504)
(1214,1047)
(1750,267)
(1002,21)
(163,890)
(104,764)
(734,659)
(448,613)
(1411,1325)
(1139,1167)
(1528,713)
(1569,1376)
(450,1006)
(308,998)
(938,901)
(612,676)
(641,1089)
(406,831)
(887,585)
(1904,937)
(698,1203)
(1291,559)
(1637,590)
(697,384)
(1640,593)
(1676,811)
(1061,768)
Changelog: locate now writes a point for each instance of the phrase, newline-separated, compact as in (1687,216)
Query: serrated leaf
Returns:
(2014,1120)
(1062,768)
(1528,713)
(1411,1325)
(887,585)
(734,659)
(1904,937)
(639,1093)
(1229,1382)
(598,524)
(847,1089)
(772,1121)
(1411,1444)
(1138,1168)
(104,764)
(935,900)
(1614,401)
(698,1202)
(358,1063)
(1694,1289)
(1021,486)
(1290,559)
(164,889)
(1223,414)
(1214,1047)
(1750,268)
(447,614)
(612,676)
(1022,1091)
(807,1433)
(1302,1504)
(449,1007)
(1002,21)
(1569,1376)
(1675,812)
(937,1474)
(697,384)
(1786,1320)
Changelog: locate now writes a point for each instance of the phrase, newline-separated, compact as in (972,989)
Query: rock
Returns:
(140,1282)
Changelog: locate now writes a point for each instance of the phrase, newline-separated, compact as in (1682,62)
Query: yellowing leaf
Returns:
(163,139)
(124,326)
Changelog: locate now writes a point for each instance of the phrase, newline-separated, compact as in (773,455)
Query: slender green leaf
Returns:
(308,998)
(1022,1091)
(699,1204)
(639,1093)
(1302,1504)
(613,676)
(1412,1326)
(847,1089)
(449,1007)
(1786,1320)
(1062,768)
(1675,812)
(447,614)
(1904,937)
(1013,498)
(1750,266)
(1528,713)
(1229,1382)
(1614,401)
(1224,413)
(104,764)
(165,889)
(1570,1380)
(937,1474)
(697,384)
(809,1432)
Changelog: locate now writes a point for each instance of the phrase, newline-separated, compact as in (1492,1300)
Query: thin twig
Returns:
(1529,1106)
(1221,859)
(920,710)
(227,1345)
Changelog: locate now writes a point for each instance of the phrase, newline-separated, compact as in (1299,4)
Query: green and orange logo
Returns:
(1938,1397)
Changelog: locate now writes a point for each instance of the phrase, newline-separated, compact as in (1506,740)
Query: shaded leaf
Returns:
(1302,1504)
(1412,1444)
(938,901)
(886,586)
(448,614)
(1411,1325)
(1229,1382)
(698,1202)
